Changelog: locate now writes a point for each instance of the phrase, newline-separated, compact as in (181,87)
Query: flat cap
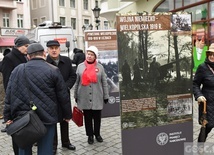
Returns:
(21,41)
(35,47)
(52,43)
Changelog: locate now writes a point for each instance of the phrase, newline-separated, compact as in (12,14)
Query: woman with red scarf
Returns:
(90,92)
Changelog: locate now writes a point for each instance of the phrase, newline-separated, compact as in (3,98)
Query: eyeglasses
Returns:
(210,54)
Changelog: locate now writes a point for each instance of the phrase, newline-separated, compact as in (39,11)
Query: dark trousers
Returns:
(92,119)
(207,131)
(64,134)
(15,148)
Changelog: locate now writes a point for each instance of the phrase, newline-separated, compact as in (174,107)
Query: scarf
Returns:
(89,74)
(211,64)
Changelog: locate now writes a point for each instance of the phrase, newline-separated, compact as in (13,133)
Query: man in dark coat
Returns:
(43,84)
(79,57)
(65,66)
(13,59)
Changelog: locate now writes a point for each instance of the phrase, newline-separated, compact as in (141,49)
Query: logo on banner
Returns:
(162,138)
(111,100)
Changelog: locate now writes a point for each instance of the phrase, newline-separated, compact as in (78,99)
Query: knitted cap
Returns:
(21,41)
(94,50)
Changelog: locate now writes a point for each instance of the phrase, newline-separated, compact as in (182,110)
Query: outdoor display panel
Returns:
(106,42)
(155,77)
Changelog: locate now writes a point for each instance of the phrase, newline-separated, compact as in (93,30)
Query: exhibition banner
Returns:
(155,78)
(106,42)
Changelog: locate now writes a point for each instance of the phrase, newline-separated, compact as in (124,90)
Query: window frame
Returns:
(20,21)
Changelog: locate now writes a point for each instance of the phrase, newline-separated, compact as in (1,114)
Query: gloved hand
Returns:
(201,99)
(76,100)
(105,101)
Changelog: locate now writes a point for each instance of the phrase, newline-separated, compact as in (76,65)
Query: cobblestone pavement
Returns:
(110,131)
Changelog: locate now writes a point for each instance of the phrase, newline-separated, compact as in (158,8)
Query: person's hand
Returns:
(8,122)
(67,120)
(105,101)
(76,100)
(201,99)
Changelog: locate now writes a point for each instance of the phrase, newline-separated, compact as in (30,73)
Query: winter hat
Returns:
(21,41)
(94,50)
(211,48)
(52,43)
(35,47)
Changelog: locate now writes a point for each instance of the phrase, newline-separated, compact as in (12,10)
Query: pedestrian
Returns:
(2,92)
(90,92)
(44,85)
(65,66)
(203,84)
(79,57)
(17,56)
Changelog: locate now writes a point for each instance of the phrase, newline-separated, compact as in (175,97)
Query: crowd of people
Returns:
(50,76)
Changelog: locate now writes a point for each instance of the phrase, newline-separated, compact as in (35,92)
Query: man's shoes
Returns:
(90,139)
(99,139)
(4,130)
(69,146)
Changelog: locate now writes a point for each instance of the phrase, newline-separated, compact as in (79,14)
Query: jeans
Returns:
(44,145)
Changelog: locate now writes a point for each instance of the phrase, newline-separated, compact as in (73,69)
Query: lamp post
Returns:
(96,12)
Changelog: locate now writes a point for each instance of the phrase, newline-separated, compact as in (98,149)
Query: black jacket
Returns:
(9,62)
(203,84)
(69,76)
(79,57)
(46,88)
(65,67)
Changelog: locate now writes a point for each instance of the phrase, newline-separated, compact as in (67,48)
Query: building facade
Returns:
(75,13)
(14,20)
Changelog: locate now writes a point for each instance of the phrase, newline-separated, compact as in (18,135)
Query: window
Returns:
(198,12)
(43,19)
(211,10)
(35,22)
(169,5)
(73,23)
(62,20)
(72,3)
(86,22)
(33,4)
(188,2)
(85,4)
(61,2)
(6,18)
(178,3)
(105,24)
(42,3)
(20,20)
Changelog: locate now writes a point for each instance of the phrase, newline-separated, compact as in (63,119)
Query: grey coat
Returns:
(93,95)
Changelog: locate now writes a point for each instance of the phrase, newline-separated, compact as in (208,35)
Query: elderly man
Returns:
(44,85)
(65,66)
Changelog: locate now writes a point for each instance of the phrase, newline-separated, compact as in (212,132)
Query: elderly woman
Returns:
(90,92)
(203,85)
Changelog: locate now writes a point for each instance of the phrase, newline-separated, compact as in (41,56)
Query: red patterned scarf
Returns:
(89,74)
